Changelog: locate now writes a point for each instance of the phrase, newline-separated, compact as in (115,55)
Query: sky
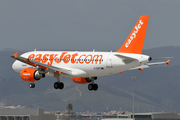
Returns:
(85,25)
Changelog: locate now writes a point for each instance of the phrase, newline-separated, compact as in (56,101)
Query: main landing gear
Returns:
(92,86)
(58,84)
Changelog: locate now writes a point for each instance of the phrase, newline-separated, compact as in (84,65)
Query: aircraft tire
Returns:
(90,87)
(56,86)
(32,85)
(95,87)
(60,85)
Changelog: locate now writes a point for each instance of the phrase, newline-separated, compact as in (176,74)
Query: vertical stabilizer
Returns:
(135,40)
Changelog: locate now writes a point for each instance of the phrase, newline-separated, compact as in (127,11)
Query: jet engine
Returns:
(31,75)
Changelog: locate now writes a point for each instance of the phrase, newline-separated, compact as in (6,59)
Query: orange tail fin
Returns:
(135,40)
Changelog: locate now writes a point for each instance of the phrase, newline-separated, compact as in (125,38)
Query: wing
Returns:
(42,65)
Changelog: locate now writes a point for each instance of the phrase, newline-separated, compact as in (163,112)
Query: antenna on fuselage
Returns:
(93,50)
(34,49)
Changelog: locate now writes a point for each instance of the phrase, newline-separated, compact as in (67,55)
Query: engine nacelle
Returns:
(81,80)
(31,75)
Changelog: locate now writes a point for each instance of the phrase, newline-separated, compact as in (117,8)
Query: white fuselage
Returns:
(84,64)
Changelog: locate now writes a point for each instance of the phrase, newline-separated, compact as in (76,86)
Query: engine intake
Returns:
(38,75)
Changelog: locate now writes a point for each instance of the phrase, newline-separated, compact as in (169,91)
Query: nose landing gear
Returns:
(32,85)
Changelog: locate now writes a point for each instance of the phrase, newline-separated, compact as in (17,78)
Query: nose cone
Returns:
(16,66)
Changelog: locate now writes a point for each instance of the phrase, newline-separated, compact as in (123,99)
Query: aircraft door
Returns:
(109,61)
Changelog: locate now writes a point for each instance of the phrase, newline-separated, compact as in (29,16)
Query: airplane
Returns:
(84,67)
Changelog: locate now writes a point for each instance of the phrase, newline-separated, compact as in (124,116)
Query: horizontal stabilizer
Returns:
(150,64)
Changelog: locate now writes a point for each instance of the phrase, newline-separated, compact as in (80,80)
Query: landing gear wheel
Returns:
(90,87)
(32,85)
(58,85)
(95,87)
(61,85)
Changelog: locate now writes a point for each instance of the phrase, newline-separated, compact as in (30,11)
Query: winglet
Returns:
(167,62)
(15,54)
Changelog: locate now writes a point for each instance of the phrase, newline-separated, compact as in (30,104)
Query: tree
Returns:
(69,107)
